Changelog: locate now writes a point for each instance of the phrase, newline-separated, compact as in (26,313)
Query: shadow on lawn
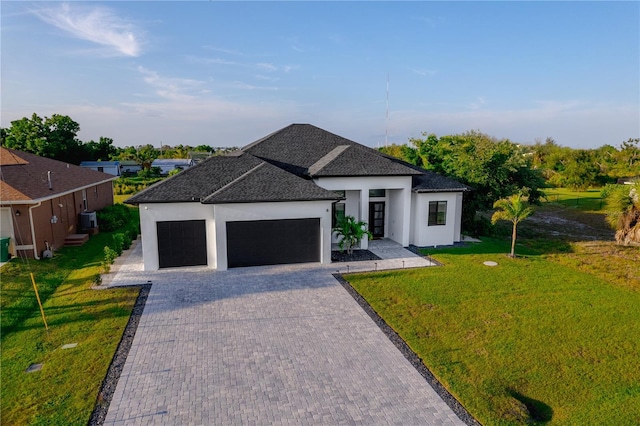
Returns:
(538,410)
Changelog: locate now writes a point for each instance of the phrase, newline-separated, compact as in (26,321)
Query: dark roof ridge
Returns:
(234,181)
(262,139)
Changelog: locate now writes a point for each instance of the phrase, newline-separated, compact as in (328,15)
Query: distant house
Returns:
(41,200)
(168,164)
(129,166)
(111,167)
(630,180)
(276,201)
(198,156)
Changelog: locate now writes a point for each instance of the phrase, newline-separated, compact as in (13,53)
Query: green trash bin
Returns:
(4,249)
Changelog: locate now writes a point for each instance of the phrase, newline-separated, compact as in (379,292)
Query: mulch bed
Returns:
(110,382)
(356,256)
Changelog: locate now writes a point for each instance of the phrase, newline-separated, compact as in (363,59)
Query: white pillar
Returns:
(364,215)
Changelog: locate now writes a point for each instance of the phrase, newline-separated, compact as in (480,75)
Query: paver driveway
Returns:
(284,345)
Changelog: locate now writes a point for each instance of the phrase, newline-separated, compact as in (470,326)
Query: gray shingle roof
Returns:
(307,150)
(433,182)
(235,178)
(267,182)
(279,167)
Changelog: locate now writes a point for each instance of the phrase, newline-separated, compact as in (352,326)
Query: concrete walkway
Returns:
(280,344)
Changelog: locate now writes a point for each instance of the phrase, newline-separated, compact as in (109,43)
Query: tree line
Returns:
(56,137)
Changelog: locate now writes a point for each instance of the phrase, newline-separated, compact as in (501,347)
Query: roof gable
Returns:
(25,176)
(234,178)
(307,150)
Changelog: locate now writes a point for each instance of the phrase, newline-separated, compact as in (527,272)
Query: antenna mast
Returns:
(386,123)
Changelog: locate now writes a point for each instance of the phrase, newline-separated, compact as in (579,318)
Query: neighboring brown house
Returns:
(41,200)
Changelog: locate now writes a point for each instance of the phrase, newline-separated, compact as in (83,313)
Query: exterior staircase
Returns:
(75,240)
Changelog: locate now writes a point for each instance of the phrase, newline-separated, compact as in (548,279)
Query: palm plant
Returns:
(350,233)
(623,212)
(514,210)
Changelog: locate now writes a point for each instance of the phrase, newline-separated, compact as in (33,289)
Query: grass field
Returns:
(64,392)
(589,200)
(534,339)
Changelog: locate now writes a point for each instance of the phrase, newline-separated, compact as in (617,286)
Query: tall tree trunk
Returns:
(513,241)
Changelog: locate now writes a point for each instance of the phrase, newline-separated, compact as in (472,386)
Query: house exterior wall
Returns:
(150,214)
(422,234)
(397,199)
(268,211)
(39,218)
(112,169)
(216,218)
(6,227)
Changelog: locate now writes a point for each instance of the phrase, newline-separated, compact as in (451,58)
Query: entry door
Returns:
(376,219)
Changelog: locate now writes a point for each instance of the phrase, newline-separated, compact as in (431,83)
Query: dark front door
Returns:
(182,243)
(376,219)
(273,242)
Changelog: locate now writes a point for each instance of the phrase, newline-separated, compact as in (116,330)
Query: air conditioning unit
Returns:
(88,220)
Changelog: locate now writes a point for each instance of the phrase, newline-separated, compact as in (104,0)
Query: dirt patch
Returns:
(567,224)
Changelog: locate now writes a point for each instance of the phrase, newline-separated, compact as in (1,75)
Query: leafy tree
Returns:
(350,233)
(101,150)
(581,170)
(514,210)
(204,148)
(493,168)
(51,137)
(144,155)
(623,211)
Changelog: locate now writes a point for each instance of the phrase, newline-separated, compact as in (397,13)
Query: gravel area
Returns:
(117,363)
(356,256)
(411,356)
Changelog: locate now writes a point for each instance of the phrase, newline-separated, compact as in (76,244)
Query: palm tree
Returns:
(350,233)
(514,210)
(623,212)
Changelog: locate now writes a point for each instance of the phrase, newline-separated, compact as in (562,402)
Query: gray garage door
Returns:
(273,242)
(182,243)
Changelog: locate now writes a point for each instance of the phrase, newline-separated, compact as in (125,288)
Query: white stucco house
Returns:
(276,200)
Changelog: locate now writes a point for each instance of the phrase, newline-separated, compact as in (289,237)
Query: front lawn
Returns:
(529,337)
(64,392)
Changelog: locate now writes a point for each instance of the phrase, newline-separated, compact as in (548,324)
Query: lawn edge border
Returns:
(409,354)
(110,381)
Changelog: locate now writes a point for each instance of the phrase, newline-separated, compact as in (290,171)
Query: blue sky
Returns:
(227,73)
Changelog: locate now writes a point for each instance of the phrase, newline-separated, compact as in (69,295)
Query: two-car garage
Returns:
(273,242)
(248,243)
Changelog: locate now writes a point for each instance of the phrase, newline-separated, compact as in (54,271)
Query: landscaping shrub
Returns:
(113,218)
(119,242)
(109,257)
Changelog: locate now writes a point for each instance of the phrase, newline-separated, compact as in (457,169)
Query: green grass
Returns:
(65,390)
(530,331)
(589,200)
(119,199)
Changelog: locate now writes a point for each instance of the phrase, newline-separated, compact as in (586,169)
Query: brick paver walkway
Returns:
(283,345)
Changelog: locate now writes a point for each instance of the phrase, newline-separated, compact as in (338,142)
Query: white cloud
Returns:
(272,68)
(422,72)
(267,67)
(246,86)
(176,89)
(95,24)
